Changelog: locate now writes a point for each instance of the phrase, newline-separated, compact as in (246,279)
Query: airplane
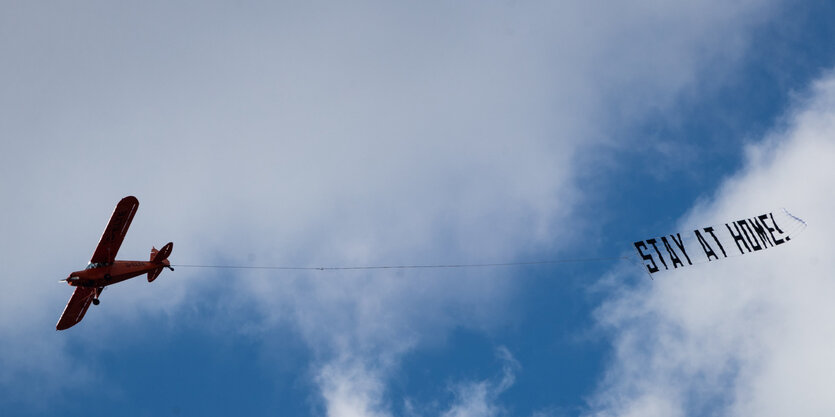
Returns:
(104,269)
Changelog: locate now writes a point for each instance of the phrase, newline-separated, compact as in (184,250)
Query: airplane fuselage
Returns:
(118,271)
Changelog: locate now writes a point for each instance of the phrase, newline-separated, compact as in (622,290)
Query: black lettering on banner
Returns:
(680,245)
(673,256)
(770,229)
(778,229)
(738,238)
(661,258)
(749,235)
(705,246)
(760,230)
(755,244)
(715,239)
(652,269)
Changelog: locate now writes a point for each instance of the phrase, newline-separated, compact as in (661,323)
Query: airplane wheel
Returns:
(96,301)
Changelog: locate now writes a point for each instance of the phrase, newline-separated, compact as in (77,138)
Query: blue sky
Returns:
(322,134)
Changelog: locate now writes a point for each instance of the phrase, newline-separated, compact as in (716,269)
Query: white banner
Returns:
(713,243)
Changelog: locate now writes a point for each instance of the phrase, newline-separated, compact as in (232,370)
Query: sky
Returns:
(316,134)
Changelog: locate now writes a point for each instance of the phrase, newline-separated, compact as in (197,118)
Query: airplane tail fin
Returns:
(160,256)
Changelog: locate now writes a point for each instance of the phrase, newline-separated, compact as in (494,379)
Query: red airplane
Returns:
(104,269)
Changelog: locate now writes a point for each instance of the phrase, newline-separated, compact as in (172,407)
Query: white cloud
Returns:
(747,336)
(350,389)
(479,398)
(316,135)
(353,388)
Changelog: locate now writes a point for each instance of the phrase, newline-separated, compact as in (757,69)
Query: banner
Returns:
(717,242)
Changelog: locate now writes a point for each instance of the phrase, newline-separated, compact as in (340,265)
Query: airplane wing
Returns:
(115,231)
(76,307)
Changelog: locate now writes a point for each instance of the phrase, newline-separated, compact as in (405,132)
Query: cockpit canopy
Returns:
(93,265)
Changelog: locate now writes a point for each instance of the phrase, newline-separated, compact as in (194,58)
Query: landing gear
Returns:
(96,295)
